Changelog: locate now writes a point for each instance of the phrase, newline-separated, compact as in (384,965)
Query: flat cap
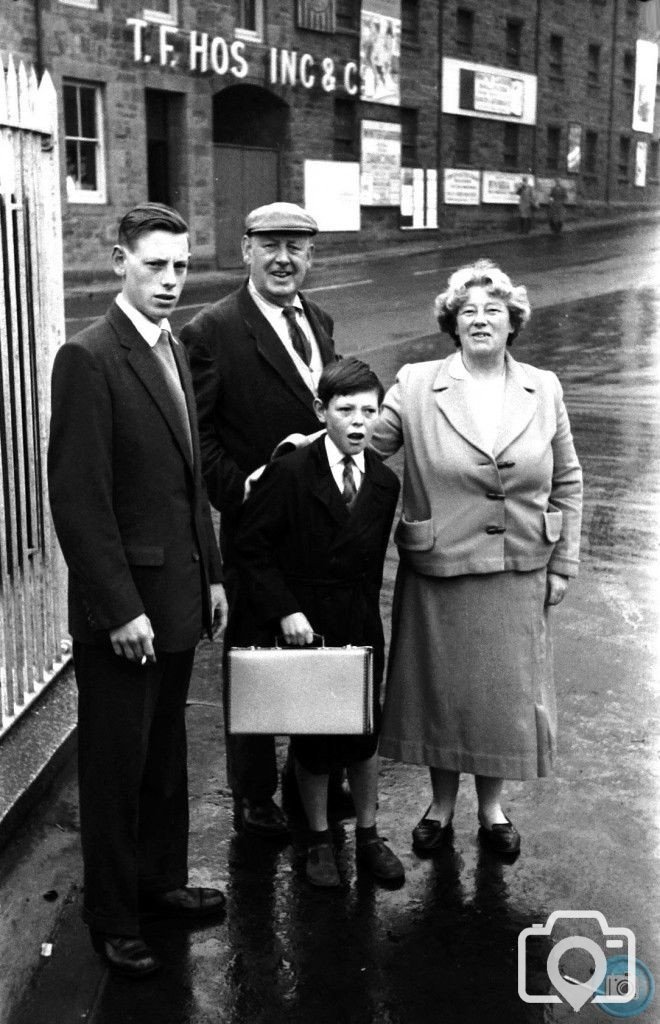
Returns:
(280,217)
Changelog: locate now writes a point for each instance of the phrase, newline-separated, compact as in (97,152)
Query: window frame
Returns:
(513,56)
(556,60)
(628,73)
(409,121)
(410,16)
(511,156)
(87,5)
(99,195)
(253,35)
(594,50)
(160,17)
(463,141)
(465,44)
(345,131)
(624,144)
(553,131)
(590,150)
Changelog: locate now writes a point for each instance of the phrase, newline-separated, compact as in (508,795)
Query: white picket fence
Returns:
(32,580)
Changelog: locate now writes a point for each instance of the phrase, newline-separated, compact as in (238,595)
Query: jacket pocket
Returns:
(142,554)
(553,522)
(414,535)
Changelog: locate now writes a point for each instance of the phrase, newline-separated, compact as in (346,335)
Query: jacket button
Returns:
(195,556)
(496,495)
(495,529)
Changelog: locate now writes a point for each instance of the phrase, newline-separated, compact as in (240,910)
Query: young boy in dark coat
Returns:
(311,546)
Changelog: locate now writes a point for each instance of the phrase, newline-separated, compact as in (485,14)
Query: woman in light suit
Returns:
(488,539)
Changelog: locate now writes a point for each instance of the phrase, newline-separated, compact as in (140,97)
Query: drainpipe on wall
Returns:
(610,126)
(439,156)
(537,50)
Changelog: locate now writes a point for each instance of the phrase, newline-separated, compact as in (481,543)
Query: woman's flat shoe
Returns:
(500,838)
(429,834)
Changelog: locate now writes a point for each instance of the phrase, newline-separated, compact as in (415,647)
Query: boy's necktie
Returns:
(349,492)
(298,338)
(165,356)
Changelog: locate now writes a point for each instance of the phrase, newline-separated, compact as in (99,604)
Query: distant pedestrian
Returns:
(134,523)
(488,539)
(556,207)
(525,206)
(310,545)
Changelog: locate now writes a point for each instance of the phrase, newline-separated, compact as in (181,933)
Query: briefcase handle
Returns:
(288,647)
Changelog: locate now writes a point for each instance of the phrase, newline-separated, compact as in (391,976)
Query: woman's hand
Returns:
(555,588)
(296,629)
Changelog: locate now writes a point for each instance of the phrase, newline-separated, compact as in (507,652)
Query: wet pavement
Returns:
(444,948)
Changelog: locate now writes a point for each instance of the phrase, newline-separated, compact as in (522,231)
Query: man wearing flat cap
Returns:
(256,357)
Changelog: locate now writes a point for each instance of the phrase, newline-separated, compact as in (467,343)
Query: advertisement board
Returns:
(380,52)
(332,194)
(502,187)
(481,90)
(461,187)
(646,71)
(380,165)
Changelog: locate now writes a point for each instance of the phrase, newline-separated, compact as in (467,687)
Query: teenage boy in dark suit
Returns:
(134,524)
(310,547)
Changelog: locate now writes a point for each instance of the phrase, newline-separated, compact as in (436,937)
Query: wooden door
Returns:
(245,177)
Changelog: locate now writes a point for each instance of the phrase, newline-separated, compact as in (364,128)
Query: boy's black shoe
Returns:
(376,857)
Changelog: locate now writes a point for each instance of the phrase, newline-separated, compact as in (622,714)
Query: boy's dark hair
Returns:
(149,217)
(347,377)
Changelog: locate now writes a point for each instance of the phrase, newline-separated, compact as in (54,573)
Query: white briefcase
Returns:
(300,690)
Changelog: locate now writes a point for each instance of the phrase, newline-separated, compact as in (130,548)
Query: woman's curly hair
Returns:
(482,274)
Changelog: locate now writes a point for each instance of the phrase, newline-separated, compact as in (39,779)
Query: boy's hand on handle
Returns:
(296,629)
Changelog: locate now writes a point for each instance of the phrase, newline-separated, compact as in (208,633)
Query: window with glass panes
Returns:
(83,141)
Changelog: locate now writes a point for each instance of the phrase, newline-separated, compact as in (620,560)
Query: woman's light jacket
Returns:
(468,510)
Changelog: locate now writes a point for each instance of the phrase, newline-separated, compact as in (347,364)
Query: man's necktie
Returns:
(299,340)
(349,492)
(165,356)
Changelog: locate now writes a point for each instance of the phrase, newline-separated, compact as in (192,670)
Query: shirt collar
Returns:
(271,307)
(145,327)
(335,456)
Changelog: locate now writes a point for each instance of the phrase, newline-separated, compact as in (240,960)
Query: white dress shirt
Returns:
(336,460)
(145,327)
(275,317)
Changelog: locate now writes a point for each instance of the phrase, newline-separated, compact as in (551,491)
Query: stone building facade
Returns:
(391,119)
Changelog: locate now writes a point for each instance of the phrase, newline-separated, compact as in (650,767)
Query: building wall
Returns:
(97,47)
(568,97)
(18,31)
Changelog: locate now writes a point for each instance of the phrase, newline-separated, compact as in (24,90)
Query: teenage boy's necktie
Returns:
(298,339)
(165,356)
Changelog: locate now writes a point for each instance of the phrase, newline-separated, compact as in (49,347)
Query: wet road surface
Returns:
(444,948)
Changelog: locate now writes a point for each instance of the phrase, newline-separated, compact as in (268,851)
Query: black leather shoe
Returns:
(262,818)
(190,902)
(500,838)
(429,834)
(376,857)
(127,955)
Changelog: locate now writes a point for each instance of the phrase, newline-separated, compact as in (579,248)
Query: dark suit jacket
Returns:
(129,508)
(249,393)
(299,549)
